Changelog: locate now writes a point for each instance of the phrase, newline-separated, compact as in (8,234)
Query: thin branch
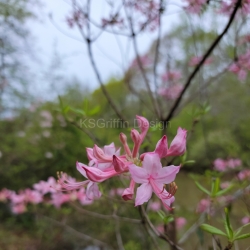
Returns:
(196,70)
(157,48)
(77,233)
(118,233)
(104,216)
(156,232)
(133,35)
(91,57)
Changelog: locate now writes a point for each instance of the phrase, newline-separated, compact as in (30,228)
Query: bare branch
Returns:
(106,217)
(196,70)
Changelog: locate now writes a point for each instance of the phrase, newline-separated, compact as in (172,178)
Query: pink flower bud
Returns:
(136,137)
(162,147)
(96,175)
(119,164)
(178,145)
(143,125)
(100,155)
(129,192)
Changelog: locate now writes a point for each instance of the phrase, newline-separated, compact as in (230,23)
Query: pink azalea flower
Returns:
(220,165)
(18,208)
(195,6)
(203,206)
(171,92)
(171,76)
(49,186)
(177,146)
(33,196)
(153,177)
(195,60)
(244,174)
(154,206)
(245,220)
(128,193)
(180,222)
(5,194)
(233,163)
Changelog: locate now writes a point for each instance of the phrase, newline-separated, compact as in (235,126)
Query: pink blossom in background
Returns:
(203,206)
(154,206)
(160,228)
(171,92)
(49,186)
(171,76)
(57,199)
(5,194)
(180,222)
(195,60)
(244,174)
(195,6)
(234,163)
(220,165)
(145,61)
(224,165)
(241,66)
(18,208)
(116,191)
(245,220)
(227,7)
(33,196)
(112,21)
(225,185)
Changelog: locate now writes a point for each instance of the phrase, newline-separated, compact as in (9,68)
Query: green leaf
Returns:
(240,229)
(94,111)
(222,192)
(228,227)
(78,111)
(243,236)
(202,188)
(215,186)
(188,162)
(212,230)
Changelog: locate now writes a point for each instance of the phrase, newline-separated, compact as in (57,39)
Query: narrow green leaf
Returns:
(188,162)
(240,229)
(94,111)
(228,225)
(243,236)
(202,188)
(212,230)
(222,192)
(78,111)
(216,186)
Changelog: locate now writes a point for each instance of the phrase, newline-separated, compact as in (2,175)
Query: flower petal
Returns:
(143,194)
(167,174)
(151,163)
(138,174)
(162,147)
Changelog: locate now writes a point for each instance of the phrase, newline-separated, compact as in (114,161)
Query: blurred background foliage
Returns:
(39,137)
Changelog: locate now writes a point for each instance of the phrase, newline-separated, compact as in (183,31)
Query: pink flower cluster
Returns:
(242,66)
(195,60)
(224,165)
(171,87)
(145,169)
(43,192)
(227,7)
(195,6)
(171,92)
(245,220)
(244,174)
